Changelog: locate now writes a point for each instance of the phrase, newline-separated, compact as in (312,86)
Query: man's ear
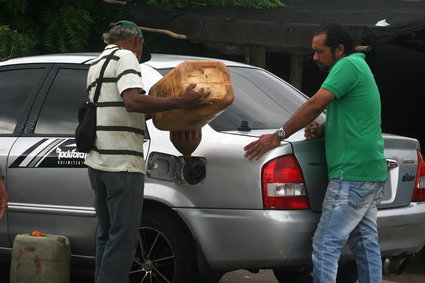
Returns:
(340,50)
(134,41)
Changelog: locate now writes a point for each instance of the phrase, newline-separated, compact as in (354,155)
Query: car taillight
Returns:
(419,193)
(283,184)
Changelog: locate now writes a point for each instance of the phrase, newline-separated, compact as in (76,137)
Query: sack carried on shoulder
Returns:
(85,133)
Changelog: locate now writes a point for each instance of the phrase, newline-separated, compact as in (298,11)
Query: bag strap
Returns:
(102,72)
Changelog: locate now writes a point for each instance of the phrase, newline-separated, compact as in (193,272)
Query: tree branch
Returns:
(167,32)
(362,48)
(164,31)
(115,2)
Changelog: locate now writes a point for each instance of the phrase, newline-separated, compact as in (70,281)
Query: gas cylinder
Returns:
(44,258)
(185,124)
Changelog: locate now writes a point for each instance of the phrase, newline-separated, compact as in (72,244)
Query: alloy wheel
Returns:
(155,260)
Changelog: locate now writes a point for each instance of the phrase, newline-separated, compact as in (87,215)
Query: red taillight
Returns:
(419,193)
(283,184)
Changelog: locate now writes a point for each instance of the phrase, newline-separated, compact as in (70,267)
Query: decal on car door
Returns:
(51,153)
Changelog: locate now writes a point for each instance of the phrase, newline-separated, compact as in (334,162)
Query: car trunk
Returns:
(401,155)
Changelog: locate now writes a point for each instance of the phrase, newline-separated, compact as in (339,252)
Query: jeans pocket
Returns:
(360,194)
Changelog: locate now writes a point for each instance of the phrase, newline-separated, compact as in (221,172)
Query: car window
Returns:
(59,113)
(164,71)
(261,99)
(15,89)
(60,110)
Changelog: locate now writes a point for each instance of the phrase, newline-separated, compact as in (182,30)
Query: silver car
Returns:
(230,213)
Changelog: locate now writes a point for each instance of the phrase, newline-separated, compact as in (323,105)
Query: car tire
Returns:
(165,250)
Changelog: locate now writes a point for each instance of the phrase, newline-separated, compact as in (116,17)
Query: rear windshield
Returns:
(261,99)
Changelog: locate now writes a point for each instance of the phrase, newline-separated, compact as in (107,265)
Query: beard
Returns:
(326,68)
(323,68)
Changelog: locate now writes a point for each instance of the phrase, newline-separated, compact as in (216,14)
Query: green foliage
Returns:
(30,27)
(166,4)
(66,29)
(15,44)
(15,38)
(14,6)
(40,26)
(250,4)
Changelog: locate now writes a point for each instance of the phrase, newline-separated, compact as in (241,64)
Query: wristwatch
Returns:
(281,134)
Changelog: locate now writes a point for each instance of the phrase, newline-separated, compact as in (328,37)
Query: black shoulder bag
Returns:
(85,134)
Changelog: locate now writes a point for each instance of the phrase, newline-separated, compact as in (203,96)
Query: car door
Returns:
(48,184)
(17,94)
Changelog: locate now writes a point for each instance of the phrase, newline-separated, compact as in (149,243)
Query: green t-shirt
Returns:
(354,144)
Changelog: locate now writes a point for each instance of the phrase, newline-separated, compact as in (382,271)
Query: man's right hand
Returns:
(193,98)
(314,130)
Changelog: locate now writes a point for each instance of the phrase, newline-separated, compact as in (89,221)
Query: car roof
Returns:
(78,58)
(162,61)
(158,61)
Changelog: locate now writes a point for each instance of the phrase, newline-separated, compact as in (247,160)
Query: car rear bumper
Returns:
(402,230)
(235,239)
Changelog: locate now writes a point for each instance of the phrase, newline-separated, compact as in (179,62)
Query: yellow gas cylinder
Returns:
(40,258)
(185,124)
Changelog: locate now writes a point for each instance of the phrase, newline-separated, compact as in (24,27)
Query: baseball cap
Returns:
(146,54)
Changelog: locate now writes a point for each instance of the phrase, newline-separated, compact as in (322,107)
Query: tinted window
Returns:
(262,99)
(15,89)
(59,113)
(164,71)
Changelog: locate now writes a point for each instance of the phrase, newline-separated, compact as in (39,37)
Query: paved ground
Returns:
(414,273)
(266,276)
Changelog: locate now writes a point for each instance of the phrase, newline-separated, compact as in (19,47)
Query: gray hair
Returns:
(118,32)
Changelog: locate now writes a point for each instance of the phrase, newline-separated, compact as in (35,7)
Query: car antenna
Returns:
(244,126)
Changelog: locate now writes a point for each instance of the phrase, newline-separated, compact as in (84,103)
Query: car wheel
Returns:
(165,251)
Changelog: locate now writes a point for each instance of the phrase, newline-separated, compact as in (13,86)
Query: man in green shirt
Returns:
(354,153)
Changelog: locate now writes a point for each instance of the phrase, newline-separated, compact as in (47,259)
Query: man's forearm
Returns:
(309,111)
(306,114)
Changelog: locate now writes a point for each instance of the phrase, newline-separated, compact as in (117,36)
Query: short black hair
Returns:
(336,34)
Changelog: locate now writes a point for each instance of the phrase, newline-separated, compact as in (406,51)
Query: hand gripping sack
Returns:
(85,134)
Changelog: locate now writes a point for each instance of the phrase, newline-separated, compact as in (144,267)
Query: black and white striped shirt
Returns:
(119,134)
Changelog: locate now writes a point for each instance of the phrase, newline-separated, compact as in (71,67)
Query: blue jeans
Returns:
(118,203)
(349,213)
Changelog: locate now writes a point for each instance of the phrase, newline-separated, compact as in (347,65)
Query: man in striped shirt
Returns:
(116,162)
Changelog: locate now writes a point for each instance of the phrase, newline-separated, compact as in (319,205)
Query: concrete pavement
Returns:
(414,273)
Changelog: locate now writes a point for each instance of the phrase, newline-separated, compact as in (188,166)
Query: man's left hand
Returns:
(257,148)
